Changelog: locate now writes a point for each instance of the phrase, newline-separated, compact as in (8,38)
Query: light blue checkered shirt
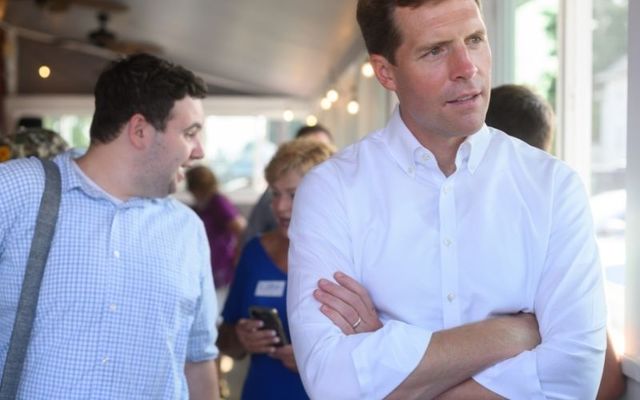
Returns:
(127,293)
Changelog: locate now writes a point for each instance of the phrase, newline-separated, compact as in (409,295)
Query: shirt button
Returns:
(412,169)
(451,297)
(446,189)
(113,307)
(426,157)
(116,254)
(447,242)
(104,360)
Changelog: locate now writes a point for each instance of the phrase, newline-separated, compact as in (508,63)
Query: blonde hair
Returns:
(298,155)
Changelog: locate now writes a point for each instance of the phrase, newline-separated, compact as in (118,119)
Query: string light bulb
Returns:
(353,107)
(333,95)
(287,115)
(325,103)
(311,120)
(367,70)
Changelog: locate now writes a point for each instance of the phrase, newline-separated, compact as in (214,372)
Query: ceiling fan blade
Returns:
(54,5)
(128,47)
(111,6)
(64,43)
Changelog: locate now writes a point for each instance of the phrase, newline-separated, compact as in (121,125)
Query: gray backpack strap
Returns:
(25,315)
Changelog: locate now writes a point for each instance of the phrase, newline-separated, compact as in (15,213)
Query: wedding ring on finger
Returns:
(357,323)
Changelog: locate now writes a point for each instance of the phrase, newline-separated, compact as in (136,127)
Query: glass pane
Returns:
(73,128)
(237,149)
(536,61)
(609,151)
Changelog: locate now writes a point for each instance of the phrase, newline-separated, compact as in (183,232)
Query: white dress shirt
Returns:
(509,231)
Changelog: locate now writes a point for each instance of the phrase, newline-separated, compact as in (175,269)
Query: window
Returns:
(554,41)
(73,128)
(608,151)
(237,150)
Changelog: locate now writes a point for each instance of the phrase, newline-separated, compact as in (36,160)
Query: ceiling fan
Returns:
(99,42)
(103,37)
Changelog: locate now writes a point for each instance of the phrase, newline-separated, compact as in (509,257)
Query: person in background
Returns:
(522,113)
(261,281)
(261,218)
(222,221)
(32,142)
(127,307)
(478,251)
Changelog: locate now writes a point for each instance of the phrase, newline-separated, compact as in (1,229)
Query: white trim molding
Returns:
(632,300)
(575,22)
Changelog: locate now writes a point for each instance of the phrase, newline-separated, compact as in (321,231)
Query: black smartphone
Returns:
(269,316)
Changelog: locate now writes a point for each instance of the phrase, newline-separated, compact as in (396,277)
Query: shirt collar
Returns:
(474,148)
(406,149)
(69,177)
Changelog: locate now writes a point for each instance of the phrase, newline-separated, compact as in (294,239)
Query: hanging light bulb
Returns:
(325,103)
(226,364)
(44,71)
(311,120)
(333,95)
(288,115)
(367,70)
(353,107)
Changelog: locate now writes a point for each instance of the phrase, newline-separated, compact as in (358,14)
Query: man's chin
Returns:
(468,126)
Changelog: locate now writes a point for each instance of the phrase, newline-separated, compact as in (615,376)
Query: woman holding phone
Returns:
(260,285)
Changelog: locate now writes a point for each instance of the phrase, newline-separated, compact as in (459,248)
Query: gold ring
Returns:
(357,323)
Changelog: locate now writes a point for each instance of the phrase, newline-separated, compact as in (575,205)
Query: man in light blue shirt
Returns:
(127,306)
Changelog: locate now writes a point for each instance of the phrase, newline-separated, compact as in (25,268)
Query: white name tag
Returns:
(270,288)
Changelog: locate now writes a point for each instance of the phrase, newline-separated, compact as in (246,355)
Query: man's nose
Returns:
(461,65)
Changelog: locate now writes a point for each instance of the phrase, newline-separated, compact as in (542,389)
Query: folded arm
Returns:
(570,308)
(452,350)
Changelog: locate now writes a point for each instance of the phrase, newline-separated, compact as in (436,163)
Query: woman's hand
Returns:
(347,304)
(285,354)
(254,340)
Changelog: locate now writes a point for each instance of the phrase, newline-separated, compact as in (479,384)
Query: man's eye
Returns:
(434,51)
(476,39)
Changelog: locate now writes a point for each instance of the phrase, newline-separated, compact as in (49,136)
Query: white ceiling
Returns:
(258,47)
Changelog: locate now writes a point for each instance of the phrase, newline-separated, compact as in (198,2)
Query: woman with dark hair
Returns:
(222,221)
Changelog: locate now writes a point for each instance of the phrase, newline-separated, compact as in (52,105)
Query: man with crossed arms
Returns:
(478,251)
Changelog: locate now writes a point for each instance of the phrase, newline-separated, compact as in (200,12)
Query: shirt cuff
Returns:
(515,378)
(385,358)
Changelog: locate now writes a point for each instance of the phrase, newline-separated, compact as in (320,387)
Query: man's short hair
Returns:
(311,130)
(520,112)
(142,84)
(377,24)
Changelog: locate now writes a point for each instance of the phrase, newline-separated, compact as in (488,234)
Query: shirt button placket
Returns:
(451,312)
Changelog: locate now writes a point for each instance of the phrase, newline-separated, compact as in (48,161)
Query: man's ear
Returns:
(137,131)
(384,71)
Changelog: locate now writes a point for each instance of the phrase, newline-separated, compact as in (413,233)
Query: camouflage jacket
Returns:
(38,142)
